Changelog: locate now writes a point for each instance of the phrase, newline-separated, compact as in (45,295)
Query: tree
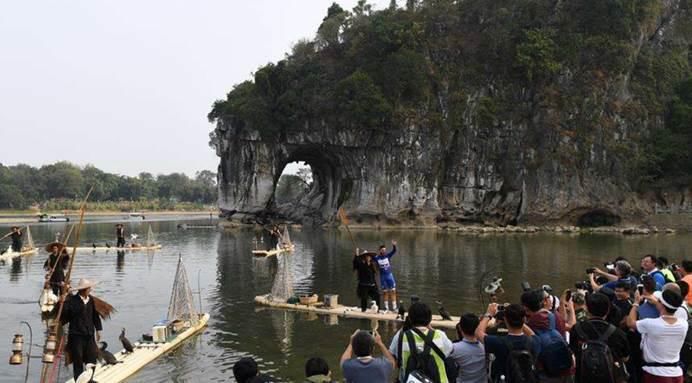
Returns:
(62,180)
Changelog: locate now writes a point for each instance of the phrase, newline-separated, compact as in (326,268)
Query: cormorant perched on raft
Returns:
(126,342)
(107,356)
(443,313)
(402,311)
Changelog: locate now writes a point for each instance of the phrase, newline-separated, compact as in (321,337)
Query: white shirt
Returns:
(661,343)
(84,300)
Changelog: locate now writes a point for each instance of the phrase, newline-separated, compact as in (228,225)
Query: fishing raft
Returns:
(182,322)
(269,253)
(347,311)
(28,249)
(113,248)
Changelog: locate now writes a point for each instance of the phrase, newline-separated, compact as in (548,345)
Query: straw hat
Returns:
(365,252)
(84,284)
(49,247)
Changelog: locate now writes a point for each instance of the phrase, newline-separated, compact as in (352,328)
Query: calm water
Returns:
(433,265)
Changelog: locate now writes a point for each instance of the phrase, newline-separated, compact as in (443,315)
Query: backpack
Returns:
(555,355)
(665,279)
(421,365)
(597,362)
(521,365)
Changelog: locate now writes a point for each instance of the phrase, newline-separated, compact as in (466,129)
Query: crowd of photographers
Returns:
(617,326)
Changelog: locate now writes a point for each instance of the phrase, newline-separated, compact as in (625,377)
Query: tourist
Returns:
(16,237)
(593,329)
(684,291)
(367,287)
(662,337)
(686,272)
(622,300)
(648,264)
(681,312)
(662,264)
(421,333)
(615,315)
(387,281)
(85,324)
(55,266)
(519,337)
(317,371)
(120,235)
(553,302)
(555,364)
(623,273)
(468,352)
(365,368)
(579,300)
(646,308)
(245,371)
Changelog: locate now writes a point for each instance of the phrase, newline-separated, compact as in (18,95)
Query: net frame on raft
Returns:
(181,305)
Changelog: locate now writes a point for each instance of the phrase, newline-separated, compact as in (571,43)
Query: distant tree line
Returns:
(22,186)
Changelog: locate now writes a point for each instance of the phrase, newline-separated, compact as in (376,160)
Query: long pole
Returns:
(67,278)
(6,235)
(344,220)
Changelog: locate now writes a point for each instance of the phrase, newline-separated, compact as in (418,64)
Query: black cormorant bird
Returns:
(126,342)
(402,311)
(107,356)
(443,313)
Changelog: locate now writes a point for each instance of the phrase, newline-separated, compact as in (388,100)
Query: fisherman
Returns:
(55,266)
(387,282)
(120,234)
(85,328)
(275,238)
(366,270)
(16,237)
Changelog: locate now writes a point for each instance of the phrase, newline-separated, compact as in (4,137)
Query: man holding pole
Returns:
(85,326)
(16,237)
(387,282)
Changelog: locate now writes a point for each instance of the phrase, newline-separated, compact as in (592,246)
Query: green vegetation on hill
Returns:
(60,185)
(557,67)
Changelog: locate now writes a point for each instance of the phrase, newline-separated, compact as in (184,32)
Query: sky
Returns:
(126,85)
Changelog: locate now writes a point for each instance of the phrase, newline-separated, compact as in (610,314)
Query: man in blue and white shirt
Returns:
(387,282)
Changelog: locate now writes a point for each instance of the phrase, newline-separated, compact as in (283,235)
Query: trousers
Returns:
(365,292)
(82,350)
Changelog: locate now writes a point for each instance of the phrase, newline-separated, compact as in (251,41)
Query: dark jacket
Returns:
(59,273)
(366,273)
(83,319)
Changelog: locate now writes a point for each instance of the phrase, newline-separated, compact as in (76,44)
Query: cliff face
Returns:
(531,137)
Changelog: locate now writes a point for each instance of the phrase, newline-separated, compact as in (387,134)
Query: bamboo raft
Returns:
(144,353)
(349,312)
(127,248)
(269,253)
(12,255)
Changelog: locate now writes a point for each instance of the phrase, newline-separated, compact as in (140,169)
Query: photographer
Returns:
(519,337)
(623,273)
(365,368)
(686,272)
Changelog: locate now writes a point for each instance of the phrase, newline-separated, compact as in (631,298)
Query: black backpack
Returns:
(597,362)
(423,363)
(686,350)
(521,364)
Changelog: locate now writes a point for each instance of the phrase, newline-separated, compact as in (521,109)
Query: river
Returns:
(434,265)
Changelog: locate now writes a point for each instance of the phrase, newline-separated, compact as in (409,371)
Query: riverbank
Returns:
(10,217)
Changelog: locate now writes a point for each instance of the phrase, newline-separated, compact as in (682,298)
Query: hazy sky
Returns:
(126,85)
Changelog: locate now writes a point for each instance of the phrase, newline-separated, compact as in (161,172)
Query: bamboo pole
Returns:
(344,220)
(56,327)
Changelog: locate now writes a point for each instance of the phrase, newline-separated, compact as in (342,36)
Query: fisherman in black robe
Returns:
(85,326)
(366,270)
(57,265)
(120,235)
(16,237)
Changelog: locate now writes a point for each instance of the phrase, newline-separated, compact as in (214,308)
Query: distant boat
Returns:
(135,214)
(53,218)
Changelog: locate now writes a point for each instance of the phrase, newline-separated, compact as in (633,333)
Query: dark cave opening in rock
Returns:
(294,183)
(598,217)
(309,187)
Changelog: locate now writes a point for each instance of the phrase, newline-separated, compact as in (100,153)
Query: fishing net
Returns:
(182,305)
(285,238)
(29,239)
(282,289)
(151,240)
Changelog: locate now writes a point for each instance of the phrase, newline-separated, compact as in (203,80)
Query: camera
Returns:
(582,285)
(525,286)
(590,270)
(640,288)
(674,267)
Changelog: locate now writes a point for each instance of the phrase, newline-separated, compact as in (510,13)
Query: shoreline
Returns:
(9,218)
(627,230)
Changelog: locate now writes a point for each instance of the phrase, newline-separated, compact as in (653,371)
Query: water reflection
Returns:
(433,265)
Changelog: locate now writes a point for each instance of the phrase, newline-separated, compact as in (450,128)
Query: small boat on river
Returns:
(182,322)
(285,246)
(148,245)
(53,218)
